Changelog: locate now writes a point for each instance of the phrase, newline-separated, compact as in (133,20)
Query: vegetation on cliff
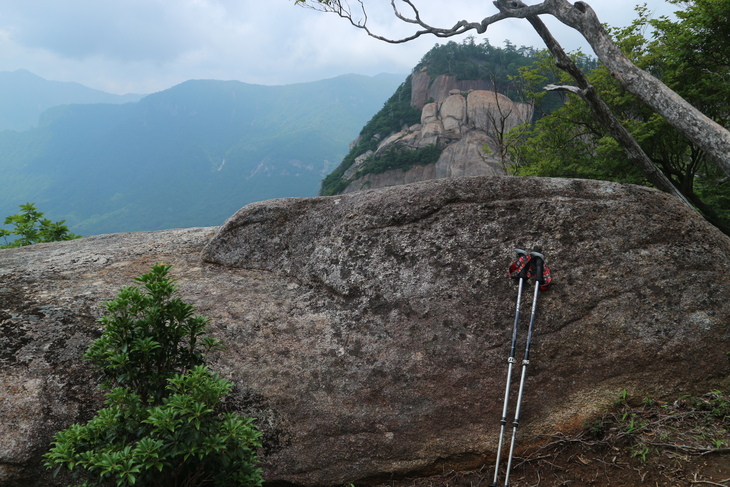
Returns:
(396,113)
(500,66)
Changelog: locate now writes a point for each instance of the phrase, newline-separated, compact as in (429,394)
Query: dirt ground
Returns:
(634,443)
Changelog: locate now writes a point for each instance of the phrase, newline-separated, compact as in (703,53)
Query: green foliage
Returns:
(640,451)
(149,336)
(163,423)
(717,403)
(570,143)
(698,42)
(30,227)
(501,66)
(400,159)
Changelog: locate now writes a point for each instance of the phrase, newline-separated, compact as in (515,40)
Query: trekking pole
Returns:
(510,361)
(537,260)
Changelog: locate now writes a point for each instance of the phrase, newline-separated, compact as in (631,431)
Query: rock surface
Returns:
(462,124)
(424,89)
(369,332)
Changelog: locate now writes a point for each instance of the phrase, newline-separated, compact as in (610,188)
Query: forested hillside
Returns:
(188,156)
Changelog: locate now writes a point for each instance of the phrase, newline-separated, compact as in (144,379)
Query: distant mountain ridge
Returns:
(24,96)
(188,156)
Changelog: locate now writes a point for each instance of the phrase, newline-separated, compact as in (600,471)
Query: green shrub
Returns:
(400,158)
(162,424)
(30,227)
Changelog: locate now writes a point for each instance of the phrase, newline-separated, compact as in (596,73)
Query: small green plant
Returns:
(719,443)
(640,450)
(163,424)
(30,227)
(632,424)
(622,396)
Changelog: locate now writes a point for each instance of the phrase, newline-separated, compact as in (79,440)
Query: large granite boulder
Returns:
(369,332)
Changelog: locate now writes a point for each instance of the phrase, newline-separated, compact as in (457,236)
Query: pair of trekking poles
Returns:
(528,266)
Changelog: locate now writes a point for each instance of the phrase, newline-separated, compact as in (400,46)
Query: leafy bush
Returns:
(163,424)
(30,226)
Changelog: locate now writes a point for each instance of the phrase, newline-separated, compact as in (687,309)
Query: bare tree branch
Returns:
(570,89)
(700,129)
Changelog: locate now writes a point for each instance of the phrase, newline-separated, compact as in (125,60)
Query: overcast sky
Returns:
(143,46)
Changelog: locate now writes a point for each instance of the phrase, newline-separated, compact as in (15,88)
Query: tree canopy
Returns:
(572,143)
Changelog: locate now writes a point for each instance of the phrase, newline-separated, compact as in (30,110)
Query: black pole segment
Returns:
(537,262)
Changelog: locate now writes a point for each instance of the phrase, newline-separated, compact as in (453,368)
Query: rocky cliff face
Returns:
(424,89)
(468,125)
(369,332)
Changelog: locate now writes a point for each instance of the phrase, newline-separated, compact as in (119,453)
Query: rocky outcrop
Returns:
(425,90)
(468,126)
(369,332)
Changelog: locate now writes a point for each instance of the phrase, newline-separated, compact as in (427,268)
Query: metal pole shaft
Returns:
(525,363)
(510,361)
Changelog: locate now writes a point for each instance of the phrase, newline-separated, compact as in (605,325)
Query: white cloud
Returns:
(148,45)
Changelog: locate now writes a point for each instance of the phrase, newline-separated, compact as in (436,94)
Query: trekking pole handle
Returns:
(538,260)
(520,254)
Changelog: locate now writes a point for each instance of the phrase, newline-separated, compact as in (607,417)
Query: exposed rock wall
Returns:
(423,89)
(369,332)
(467,126)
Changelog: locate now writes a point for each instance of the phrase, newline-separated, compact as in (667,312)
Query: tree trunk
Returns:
(585,90)
(704,132)
(696,126)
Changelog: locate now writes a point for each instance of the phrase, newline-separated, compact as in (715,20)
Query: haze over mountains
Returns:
(24,96)
(188,156)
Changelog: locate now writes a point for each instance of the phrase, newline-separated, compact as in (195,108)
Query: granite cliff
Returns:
(369,332)
(465,119)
